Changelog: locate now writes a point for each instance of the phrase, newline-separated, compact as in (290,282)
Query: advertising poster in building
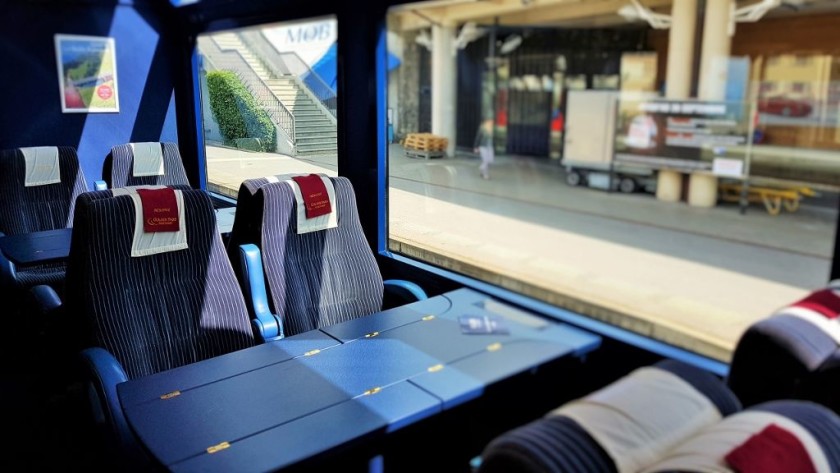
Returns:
(799,90)
(87,74)
(638,72)
(682,135)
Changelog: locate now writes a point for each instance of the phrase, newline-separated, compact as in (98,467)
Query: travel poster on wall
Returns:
(87,74)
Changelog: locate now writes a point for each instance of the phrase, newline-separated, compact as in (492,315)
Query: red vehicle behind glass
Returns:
(786,107)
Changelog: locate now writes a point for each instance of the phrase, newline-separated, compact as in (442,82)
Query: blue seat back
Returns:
(117,170)
(320,278)
(160,311)
(45,207)
(248,218)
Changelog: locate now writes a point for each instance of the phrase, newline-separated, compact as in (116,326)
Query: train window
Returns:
(268,96)
(555,150)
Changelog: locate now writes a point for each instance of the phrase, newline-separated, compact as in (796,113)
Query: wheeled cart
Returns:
(590,142)
(623,178)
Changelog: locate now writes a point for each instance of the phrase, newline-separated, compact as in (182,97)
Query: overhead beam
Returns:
(558,14)
(603,21)
(455,14)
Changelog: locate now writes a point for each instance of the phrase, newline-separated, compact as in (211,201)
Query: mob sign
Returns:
(309,40)
(311,32)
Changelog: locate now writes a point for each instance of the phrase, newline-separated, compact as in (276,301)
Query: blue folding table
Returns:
(281,403)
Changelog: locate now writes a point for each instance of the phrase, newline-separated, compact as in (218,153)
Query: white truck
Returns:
(589,141)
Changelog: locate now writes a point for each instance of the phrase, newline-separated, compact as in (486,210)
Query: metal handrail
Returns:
(232,60)
(284,64)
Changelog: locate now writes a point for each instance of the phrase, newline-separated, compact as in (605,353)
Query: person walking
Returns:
(484,147)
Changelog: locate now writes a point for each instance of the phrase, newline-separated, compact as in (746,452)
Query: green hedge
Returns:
(237,112)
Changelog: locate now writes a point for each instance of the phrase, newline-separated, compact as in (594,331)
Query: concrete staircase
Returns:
(315,131)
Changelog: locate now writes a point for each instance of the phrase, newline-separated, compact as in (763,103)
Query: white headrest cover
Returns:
(144,243)
(307,225)
(41,166)
(148,159)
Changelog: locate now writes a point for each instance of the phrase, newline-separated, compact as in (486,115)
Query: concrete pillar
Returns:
(444,80)
(678,76)
(680,49)
(714,57)
(668,185)
(702,189)
(714,60)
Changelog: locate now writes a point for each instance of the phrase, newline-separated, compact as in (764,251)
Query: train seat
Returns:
(149,301)
(247,221)
(792,354)
(39,189)
(780,436)
(147,163)
(311,271)
(622,427)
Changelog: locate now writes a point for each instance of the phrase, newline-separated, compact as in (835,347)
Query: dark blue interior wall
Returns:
(30,107)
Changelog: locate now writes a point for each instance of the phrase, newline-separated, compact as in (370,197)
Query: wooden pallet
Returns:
(412,153)
(425,142)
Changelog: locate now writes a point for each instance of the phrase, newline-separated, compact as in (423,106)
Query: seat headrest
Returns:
(639,417)
(41,166)
(820,308)
(751,456)
(118,191)
(316,206)
(148,159)
(159,219)
(775,436)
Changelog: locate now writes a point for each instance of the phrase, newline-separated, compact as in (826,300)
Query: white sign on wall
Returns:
(310,39)
(728,167)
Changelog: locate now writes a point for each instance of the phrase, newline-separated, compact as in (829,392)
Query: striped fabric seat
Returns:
(160,311)
(619,428)
(793,354)
(36,208)
(314,279)
(117,170)
(246,225)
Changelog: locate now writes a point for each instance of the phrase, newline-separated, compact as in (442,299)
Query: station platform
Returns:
(691,277)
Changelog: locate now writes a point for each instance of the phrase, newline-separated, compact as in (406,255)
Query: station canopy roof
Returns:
(559,13)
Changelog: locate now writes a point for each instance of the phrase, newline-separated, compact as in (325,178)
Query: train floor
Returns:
(50,430)
(43,407)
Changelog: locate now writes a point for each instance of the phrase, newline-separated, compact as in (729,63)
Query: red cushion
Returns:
(773,450)
(825,302)
(315,196)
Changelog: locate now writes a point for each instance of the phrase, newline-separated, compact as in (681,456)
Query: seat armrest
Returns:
(46,300)
(8,271)
(102,374)
(269,326)
(400,291)
(100,185)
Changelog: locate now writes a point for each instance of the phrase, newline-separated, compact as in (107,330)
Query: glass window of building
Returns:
(671,169)
(268,96)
